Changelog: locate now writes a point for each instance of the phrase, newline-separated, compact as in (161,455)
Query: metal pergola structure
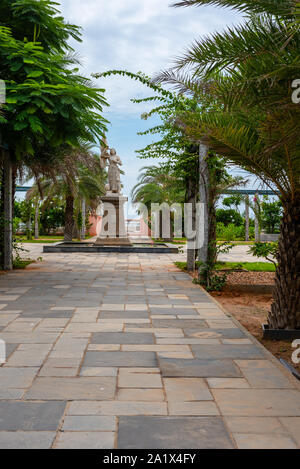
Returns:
(250,192)
(246,192)
(23,188)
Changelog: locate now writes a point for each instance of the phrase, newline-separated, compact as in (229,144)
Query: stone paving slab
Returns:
(122,338)
(123,351)
(120,359)
(85,440)
(30,416)
(199,368)
(173,432)
(85,388)
(215,352)
(26,440)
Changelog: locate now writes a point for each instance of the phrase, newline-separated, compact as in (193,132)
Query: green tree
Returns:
(271,215)
(250,69)
(79,176)
(48,103)
(229,216)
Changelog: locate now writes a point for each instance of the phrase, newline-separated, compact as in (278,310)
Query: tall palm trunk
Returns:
(36,219)
(285,312)
(191,198)
(8,220)
(69,218)
(2,219)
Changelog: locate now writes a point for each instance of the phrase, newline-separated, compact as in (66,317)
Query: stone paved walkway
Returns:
(123,351)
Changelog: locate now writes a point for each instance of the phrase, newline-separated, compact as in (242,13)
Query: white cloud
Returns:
(136,35)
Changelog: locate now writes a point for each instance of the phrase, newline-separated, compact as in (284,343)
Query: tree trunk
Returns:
(257,227)
(8,221)
(203,199)
(29,223)
(36,220)
(83,212)
(212,233)
(69,218)
(247,218)
(2,219)
(285,311)
(191,244)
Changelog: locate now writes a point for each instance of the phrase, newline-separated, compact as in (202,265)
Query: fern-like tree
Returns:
(48,103)
(250,69)
(77,176)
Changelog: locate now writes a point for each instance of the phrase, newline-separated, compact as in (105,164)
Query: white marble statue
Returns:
(110,158)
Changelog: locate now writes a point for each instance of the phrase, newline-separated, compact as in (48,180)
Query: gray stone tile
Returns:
(172,367)
(26,440)
(124,314)
(216,352)
(233,333)
(82,388)
(180,323)
(173,432)
(47,314)
(122,338)
(248,441)
(120,359)
(85,440)
(90,423)
(30,416)
(10,348)
(258,402)
(263,374)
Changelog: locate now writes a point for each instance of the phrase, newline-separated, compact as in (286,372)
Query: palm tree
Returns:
(248,71)
(79,178)
(157,185)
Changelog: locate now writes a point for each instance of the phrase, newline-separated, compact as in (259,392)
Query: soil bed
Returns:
(251,308)
(248,297)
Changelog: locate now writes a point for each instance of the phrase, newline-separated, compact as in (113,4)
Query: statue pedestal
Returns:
(113,230)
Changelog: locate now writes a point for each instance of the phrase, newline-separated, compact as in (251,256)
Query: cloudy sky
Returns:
(136,35)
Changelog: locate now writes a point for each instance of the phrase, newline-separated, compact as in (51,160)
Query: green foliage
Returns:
(247,266)
(48,104)
(207,277)
(23,210)
(232,232)
(271,215)
(229,216)
(33,21)
(266,250)
(52,216)
(234,200)
(216,282)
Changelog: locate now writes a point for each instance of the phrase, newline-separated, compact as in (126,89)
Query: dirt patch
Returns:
(250,278)
(247,296)
(251,309)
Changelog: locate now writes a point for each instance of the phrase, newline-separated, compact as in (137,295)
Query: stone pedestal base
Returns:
(113,230)
(113,242)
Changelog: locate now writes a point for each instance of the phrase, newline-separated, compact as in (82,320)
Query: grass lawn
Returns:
(44,239)
(22,263)
(248,266)
(183,242)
